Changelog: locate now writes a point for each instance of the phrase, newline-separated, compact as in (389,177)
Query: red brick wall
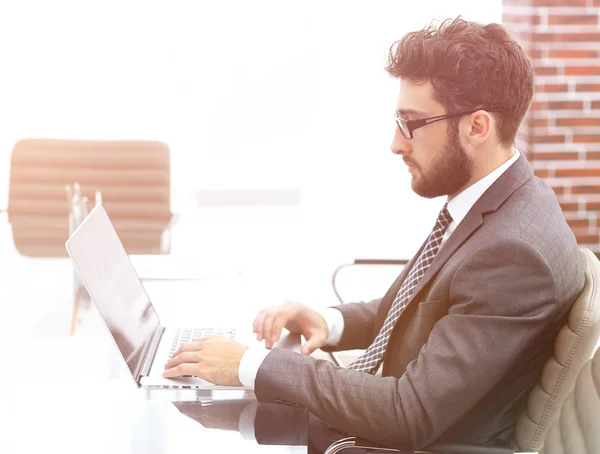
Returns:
(561,132)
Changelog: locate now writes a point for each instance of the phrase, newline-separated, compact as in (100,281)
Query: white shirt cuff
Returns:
(246,422)
(249,365)
(335,325)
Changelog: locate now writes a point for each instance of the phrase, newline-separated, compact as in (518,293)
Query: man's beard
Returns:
(450,171)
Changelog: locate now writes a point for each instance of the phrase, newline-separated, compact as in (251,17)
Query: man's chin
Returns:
(418,188)
(424,192)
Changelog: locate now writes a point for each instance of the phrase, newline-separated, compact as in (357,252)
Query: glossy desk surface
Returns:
(73,393)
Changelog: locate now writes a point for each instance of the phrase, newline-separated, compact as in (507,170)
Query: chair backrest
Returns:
(133,177)
(577,430)
(574,345)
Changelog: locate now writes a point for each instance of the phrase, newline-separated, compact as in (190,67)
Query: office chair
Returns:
(577,429)
(133,177)
(539,421)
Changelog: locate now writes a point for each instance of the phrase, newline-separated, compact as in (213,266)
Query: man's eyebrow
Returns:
(411,112)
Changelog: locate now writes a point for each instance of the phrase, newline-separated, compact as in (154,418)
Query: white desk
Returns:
(73,394)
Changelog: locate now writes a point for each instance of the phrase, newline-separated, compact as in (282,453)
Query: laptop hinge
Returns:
(151,353)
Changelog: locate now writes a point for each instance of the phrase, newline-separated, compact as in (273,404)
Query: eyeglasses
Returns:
(408,126)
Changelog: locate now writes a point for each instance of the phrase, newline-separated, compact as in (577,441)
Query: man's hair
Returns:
(469,66)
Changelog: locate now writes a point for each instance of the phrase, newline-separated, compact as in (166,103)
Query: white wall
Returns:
(248,94)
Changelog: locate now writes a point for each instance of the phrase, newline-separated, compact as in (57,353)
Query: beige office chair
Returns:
(575,344)
(133,177)
(539,423)
(577,430)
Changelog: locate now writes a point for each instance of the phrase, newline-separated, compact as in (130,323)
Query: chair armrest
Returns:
(358,445)
(362,262)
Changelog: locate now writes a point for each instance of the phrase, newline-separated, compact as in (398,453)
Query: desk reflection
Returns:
(270,424)
(265,424)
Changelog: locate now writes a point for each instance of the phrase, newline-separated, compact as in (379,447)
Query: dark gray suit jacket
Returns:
(471,343)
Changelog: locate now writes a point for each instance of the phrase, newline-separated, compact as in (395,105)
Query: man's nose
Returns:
(400,145)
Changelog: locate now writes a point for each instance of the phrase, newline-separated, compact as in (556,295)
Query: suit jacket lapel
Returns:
(490,201)
(390,295)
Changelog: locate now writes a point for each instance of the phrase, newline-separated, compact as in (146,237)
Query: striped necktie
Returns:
(370,360)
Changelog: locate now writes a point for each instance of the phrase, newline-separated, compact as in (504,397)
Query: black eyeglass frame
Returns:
(412,125)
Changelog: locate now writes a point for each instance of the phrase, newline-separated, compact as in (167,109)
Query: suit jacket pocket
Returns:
(412,333)
(430,307)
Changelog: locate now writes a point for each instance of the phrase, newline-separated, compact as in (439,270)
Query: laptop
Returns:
(128,313)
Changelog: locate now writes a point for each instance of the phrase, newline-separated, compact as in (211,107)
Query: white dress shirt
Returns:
(458,208)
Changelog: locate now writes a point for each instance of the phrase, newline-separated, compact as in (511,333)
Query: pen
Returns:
(84,207)
(77,213)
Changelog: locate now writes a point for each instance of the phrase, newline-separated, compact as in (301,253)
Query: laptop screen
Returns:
(114,286)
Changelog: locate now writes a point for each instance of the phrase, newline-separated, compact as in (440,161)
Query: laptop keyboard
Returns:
(185,335)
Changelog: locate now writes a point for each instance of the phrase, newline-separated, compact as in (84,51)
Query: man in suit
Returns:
(459,339)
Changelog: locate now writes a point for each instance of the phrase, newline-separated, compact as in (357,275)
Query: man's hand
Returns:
(214,358)
(297,318)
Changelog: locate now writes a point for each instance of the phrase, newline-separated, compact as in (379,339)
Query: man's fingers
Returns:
(186,357)
(195,345)
(180,370)
(308,348)
(267,326)
(278,323)
(312,344)
(262,325)
(269,322)
(258,322)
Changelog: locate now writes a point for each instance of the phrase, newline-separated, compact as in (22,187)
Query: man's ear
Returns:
(479,127)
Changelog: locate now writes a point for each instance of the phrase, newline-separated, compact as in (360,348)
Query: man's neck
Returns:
(496,158)
(493,161)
